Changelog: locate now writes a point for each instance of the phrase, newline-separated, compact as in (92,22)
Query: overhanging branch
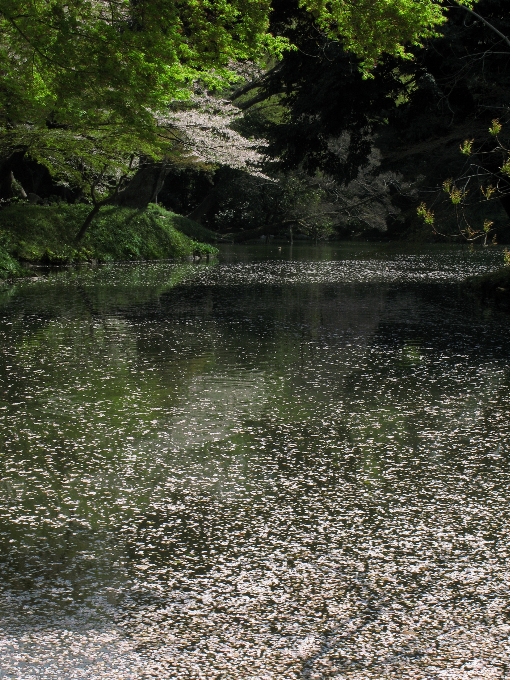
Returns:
(483,20)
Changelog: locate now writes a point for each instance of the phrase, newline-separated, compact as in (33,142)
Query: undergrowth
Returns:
(47,235)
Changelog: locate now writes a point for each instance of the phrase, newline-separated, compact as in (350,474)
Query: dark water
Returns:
(280,465)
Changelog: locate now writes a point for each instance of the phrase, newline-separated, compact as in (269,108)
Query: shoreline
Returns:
(492,288)
(45,236)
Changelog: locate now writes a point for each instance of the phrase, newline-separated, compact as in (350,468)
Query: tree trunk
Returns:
(144,187)
(159,182)
(16,188)
(97,207)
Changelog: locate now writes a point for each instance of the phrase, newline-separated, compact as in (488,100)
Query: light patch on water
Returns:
(215,407)
(385,267)
(61,653)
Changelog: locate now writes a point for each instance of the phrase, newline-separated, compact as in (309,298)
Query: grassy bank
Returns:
(47,235)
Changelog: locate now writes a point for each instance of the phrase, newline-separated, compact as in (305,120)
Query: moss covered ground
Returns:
(36,234)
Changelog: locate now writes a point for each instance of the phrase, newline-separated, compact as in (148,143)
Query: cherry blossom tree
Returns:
(206,132)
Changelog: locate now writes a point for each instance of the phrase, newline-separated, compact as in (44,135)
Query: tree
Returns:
(415,111)
(453,125)
(485,178)
(309,86)
(84,81)
(87,82)
(208,134)
(85,63)
(295,203)
(369,28)
(80,62)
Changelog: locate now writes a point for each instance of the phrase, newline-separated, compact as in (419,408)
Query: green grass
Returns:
(47,235)
(9,267)
(196,231)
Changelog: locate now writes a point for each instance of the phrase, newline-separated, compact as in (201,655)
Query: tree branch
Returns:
(248,87)
(480,18)
(260,97)
(29,42)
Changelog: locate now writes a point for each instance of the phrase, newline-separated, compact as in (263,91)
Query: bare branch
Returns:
(483,20)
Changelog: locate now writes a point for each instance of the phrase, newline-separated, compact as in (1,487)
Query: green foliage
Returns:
(488,170)
(305,203)
(505,168)
(467,147)
(9,267)
(98,164)
(46,234)
(371,27)
(487,226)
(84,62)
(416,112)
(84,82)
(495,127)
(426,214)
(293,200)
(456,195)
(488,191)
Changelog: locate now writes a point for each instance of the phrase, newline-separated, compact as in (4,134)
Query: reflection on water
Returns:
(283,465)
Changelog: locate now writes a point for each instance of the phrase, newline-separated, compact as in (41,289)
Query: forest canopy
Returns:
(88,62)
(86,84)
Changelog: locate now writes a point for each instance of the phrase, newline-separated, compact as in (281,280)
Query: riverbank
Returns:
(36,234)
(493,288)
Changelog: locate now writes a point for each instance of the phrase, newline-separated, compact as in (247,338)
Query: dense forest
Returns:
(253,119)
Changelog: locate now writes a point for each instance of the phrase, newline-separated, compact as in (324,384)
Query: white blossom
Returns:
(206,124)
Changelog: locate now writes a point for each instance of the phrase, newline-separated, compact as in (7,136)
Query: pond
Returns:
(286,463)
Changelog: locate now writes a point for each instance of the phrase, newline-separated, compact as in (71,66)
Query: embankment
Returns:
(38,234)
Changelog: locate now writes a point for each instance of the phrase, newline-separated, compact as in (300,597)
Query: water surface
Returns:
(284,464)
